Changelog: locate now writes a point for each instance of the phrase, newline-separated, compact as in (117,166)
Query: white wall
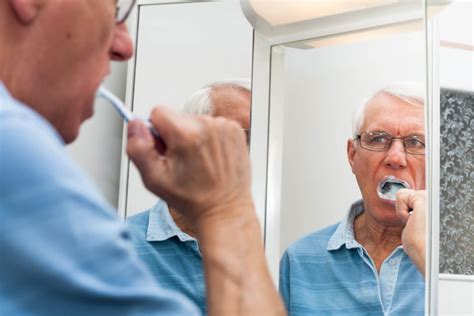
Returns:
(98,147)
(323,87)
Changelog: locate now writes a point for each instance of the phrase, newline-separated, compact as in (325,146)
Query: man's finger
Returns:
(141,148)
(403,205)
(169,125)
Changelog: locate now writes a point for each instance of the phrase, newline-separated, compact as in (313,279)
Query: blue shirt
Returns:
(63,251)
(172,256)
(329,273)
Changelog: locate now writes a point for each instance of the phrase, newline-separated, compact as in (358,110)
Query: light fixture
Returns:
(360,36)
(281,21)
(283,12)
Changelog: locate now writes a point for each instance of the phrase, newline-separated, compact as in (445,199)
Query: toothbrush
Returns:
(128,116)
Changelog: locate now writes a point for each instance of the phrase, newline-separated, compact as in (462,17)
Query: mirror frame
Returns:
(266,149)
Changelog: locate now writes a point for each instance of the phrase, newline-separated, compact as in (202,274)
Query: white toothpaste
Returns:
(387,188)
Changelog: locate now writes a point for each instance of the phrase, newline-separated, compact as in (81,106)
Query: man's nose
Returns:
(122,47)
(395,157)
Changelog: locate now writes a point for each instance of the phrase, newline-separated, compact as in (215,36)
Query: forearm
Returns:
(238,281)
(416,252)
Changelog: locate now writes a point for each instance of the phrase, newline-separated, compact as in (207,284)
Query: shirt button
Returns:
(392,262)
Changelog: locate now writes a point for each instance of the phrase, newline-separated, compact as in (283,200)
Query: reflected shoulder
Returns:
(315,241)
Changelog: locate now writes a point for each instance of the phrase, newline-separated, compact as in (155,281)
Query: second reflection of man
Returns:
(164,241)
(359,266)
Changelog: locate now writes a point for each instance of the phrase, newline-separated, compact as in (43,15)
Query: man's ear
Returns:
(26,11)
(351,150)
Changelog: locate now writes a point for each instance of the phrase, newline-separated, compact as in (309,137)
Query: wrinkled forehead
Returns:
(393,114)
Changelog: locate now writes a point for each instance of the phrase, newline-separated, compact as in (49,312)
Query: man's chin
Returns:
(70,137)
(389,217)
(71,132)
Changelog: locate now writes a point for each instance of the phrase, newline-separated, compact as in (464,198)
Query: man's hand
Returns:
(205,175)
(206,166)
(411,208)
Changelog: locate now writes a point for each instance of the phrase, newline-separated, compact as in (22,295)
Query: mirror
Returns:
(319,91)
(316,86)
(180,46)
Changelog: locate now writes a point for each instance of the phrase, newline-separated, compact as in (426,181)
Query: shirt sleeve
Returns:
(63,251)
(284,283)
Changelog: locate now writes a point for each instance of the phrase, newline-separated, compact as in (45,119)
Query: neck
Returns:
(378,240)
(368,230)
(181,223)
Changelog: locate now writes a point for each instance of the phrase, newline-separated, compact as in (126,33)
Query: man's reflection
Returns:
(360,265)
(164,241)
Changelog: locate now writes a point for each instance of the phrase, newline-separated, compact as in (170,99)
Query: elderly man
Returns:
(63,251)
(367,263)
(164,241)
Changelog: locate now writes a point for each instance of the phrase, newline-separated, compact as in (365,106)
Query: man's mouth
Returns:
(387,188)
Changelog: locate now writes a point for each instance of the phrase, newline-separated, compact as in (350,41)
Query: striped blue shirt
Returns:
(171,255)
(63,251)
(329,273)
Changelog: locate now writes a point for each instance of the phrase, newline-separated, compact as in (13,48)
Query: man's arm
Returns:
(62,248)
(410,208)
(205,174)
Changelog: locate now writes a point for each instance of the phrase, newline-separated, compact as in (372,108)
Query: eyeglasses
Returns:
(124,7)
(381,141)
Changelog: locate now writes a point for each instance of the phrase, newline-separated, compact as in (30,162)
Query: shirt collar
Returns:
(344,234)
(161,225)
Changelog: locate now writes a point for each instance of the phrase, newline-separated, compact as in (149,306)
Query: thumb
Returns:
(403,203)
(141,147)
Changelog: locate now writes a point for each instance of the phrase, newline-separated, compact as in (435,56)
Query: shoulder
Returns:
(313,243)
(19,121)
(34,161)
(28,142)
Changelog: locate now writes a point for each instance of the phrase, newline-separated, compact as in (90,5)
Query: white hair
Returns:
(200,102)
(411,93)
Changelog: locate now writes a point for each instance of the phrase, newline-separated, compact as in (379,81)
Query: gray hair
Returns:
(411,93)
(200,102)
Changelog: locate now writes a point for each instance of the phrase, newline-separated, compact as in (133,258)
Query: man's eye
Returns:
(378,140)
(415,142)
